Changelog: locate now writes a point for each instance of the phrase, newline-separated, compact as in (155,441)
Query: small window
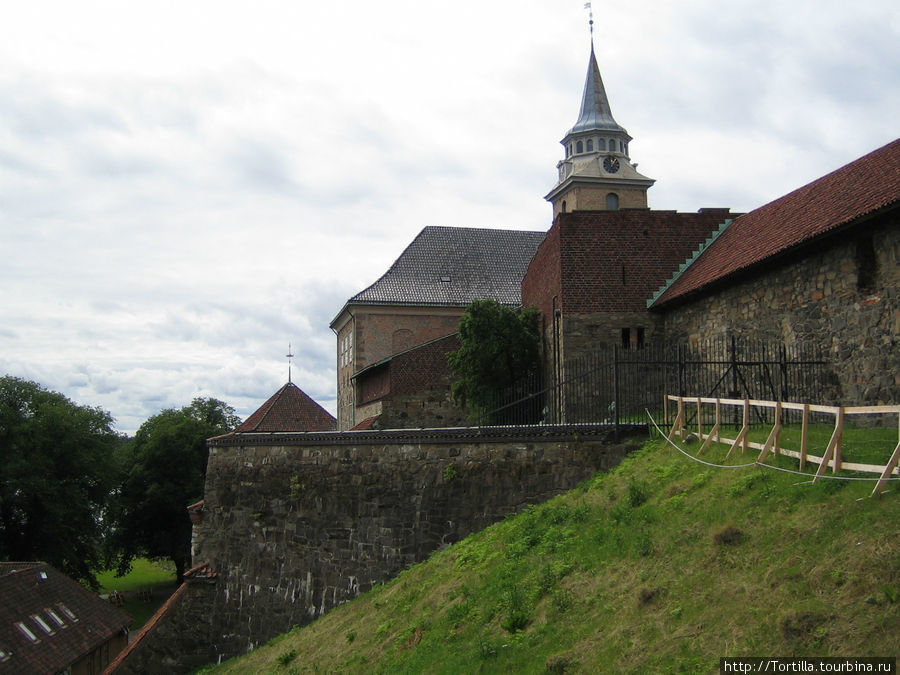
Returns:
(601,144)
(68,612)
(633,338)
(579,147)
(612,202)
(55,618)
(866,264)
(590,145)
(563,209)
(42,624)
(24,630)
(612,144)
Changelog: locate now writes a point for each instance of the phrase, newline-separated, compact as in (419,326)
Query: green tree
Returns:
(165,469)
(498,346)
(56,475)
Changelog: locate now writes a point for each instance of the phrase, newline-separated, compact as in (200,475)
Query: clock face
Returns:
(611,164)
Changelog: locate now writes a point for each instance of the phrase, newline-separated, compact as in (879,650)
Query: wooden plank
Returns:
(871,409)
(699,418)
(741,438)
(888,468)
(718,421)
(713,433)
(804,436)
(829,451)
(679,419)
(746,424)
(836,466)
(772,441)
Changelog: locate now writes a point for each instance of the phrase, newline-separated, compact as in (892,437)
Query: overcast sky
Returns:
(187,187)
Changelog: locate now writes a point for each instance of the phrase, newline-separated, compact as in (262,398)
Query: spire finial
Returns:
(587,6)
(289,356)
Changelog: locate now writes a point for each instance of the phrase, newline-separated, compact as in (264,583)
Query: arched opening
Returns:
(579,148)
(590,145)
(612,202)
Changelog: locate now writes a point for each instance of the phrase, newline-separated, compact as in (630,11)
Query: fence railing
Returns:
(613,384)
(831,456)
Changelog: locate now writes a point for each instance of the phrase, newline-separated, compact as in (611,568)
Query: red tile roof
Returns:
(288,409)
(844,197)
(70,620)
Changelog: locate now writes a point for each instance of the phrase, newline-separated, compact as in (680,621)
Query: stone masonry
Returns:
(296,524)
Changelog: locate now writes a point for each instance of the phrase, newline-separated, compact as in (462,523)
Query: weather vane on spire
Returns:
(587,6)
(289,356)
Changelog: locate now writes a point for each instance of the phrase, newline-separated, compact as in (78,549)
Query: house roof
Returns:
(48,621)
(288,409)
(840,199)
(452,266)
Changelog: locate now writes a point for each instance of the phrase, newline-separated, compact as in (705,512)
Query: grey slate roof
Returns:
(595,113)
(452,266)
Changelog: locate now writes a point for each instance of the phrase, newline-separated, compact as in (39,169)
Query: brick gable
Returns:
(611,261)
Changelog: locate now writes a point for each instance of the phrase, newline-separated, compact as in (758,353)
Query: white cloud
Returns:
(186,188)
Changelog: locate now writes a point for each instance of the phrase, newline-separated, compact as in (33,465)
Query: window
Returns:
(346,350)
(866,264)
(579,147)
(590,145)
(24,630)
(612,202)
(55,617)
(42,624)
(68,612)
(563,209)
(633,338)
(601,144)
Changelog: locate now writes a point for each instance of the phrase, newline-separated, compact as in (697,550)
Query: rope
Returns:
(758,463)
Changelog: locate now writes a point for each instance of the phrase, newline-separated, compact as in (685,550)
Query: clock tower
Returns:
(597,173)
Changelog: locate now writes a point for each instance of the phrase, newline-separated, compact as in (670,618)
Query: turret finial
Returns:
(289,356)
(587,6)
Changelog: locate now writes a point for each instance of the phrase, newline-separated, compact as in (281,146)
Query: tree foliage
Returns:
(499,345)
(56,474)
(165,469)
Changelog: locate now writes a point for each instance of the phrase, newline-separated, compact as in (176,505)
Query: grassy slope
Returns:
(662,565)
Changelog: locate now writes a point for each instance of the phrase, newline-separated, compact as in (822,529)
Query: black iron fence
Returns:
(616,385)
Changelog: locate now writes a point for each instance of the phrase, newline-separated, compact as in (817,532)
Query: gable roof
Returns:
(77,621)
(837,200)
(288,409)
(452,266)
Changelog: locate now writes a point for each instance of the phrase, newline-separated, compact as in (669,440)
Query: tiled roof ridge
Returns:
(850,194)
(690,261)
(263,411)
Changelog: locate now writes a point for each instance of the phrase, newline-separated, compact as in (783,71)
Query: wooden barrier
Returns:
(830,457)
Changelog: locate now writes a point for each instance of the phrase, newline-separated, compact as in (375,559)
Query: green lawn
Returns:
(156,577)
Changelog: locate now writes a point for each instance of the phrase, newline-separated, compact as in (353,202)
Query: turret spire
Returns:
(597,172)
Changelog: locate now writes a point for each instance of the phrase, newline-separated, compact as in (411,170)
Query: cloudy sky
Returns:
(187,187)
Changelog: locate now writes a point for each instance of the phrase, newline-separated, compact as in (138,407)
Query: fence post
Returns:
(616,389)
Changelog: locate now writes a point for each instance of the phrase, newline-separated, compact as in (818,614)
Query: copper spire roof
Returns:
(288,409)
(836,200)
(595,113)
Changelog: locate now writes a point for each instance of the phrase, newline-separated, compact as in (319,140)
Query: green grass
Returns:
(157,577)
(660,566)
